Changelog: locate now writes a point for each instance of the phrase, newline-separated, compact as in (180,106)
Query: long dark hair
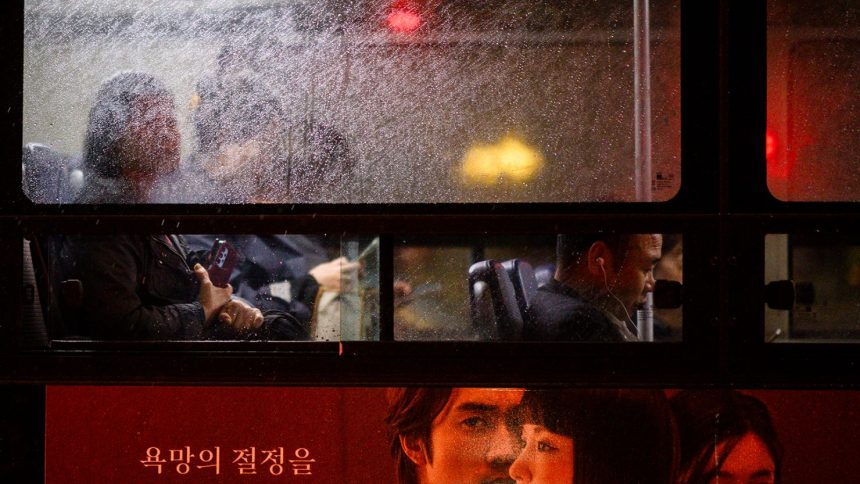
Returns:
(707,419)
(619,436)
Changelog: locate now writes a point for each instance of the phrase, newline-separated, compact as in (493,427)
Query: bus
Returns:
(402,179)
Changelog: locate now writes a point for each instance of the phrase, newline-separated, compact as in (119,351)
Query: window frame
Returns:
(723,208)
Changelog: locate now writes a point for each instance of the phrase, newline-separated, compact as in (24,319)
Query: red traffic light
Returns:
(403,21)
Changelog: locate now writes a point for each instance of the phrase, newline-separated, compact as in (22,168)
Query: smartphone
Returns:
(222,259)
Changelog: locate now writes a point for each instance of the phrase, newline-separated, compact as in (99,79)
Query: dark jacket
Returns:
(558,313)
(98,189)
(269,260)
(142,287)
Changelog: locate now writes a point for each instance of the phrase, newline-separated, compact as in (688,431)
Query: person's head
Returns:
(725,436)
(615,271)
(240,132)
(132,131)
(328,168)
(445,435)
(263,125)
(595,436)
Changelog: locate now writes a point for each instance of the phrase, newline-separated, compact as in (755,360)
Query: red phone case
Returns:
(223,259)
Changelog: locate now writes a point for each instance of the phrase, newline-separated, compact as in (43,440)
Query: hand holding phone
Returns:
(222,259)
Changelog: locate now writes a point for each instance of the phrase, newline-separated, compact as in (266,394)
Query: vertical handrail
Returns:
(642,99)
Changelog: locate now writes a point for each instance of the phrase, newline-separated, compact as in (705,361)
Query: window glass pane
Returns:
(431,292)
(350,102)
(515,288)
(817,279)
(813,101)
(163,287)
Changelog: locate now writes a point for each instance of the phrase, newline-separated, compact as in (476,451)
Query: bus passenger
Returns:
(243,158)
(131,140)
(147,286)
(150,287)
(599,283)
(282,272)
(253,148)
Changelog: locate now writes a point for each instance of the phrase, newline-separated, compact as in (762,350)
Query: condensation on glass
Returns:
(147,287)
(814,281)
(348,102)
(510,288)
(813,100)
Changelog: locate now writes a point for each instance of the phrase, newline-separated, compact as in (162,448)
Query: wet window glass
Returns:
(813,100)
(351,102)
(169,287)
(813,287)
(582,288)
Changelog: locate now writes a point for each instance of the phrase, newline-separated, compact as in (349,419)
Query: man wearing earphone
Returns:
(600,281)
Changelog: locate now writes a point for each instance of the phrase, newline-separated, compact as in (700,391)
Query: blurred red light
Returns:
(776,168)
(403,21)
(769,145)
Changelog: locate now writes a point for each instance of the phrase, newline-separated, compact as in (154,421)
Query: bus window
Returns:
(335,102)
(583,288)
(813,100)
(814,280)
(169,287)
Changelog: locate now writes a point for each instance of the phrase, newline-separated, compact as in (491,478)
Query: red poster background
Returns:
(819,432)
(100,434)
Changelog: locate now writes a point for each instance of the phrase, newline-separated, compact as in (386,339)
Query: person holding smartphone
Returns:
(140,286)
(150,287)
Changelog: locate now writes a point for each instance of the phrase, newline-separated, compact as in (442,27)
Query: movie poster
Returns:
(436,435)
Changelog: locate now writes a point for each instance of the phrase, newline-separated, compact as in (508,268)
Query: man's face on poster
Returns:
(470,442)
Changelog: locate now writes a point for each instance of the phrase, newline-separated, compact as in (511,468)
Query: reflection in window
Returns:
(431,292)
(815,283)
(202,287)
(813,100)
(585,288)
(347,102)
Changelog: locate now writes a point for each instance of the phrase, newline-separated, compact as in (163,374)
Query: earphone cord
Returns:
(606,284)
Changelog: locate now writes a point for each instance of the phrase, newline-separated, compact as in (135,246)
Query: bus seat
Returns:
(525,285)
(50,176)
(493,302)
(34,332)
(64,296)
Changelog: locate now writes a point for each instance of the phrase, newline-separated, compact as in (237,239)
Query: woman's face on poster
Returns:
(749,462)
(546,457)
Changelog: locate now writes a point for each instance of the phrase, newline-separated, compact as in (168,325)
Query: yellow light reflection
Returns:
(509,160)
(194,102)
